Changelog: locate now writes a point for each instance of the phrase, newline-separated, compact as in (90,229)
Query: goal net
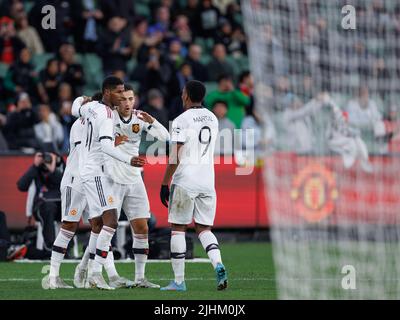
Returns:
(326,79)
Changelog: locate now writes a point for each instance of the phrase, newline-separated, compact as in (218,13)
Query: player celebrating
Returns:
(191,167)
(129,126)
(73,203)
(95,173)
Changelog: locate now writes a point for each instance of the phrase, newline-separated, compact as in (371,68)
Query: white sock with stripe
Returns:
(178,253)
(140,250)
(102,248)
(109,265)
(59,250)
(91,248)
(210,245)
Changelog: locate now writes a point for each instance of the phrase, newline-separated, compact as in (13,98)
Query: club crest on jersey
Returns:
(73,212)
(135,128)
(110,200)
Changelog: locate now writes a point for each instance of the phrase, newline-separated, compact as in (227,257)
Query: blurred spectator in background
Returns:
(19,127)
(246,83)
(88,18)
(193,58)
(118,8)
(49,130)
(52,39)
(179,80)
(363,112)
(207,19)
(218,64)
(162,22)
(114,46)
(28,34)
(63,110)
(297,123)
(175,54)
(237,46)
(234,98)
(224,33)
(182,30)
(155,73)
(190,11)
(139,36)
(224,143)
(10,44)
(155,107)
(72,71)
(50,78)
(21,77)
(253,137)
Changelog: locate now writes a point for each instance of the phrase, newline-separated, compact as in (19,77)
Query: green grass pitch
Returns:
(249,265)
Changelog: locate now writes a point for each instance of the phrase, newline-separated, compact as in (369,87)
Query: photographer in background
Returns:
(42,181)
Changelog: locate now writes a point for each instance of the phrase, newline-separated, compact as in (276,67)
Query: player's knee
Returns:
(69,226)
(200,228)
(141,227)
(96,225)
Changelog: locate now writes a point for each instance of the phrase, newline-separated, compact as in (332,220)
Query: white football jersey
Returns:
(197,130)
(99,124)
(133,128)
(71,172)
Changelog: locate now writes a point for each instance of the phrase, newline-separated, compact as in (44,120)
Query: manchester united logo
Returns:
(73,212)
(135,128)
(110,200)
(314,192)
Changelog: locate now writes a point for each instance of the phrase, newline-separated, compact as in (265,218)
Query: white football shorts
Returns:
(133,200)
(73,203)
(185,206)
(101,195)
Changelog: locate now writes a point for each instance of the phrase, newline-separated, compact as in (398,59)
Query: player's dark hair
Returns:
(195,90)
(128,87)
(98,96)
(111,82)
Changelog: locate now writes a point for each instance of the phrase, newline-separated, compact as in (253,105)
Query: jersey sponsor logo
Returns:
(314,192)
(135,128)
(73,212)
(110,200)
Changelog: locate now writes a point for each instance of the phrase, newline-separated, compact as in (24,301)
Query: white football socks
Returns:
(178,253)
(102,248)
(140,247)
(92,251)
(210,245)
(58,251)
(109,265)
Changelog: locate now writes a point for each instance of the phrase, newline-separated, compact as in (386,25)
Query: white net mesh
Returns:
(332,182)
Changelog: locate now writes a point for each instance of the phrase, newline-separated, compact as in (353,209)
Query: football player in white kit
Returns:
(129,126)
(73,204)
(192,196)
(95,172)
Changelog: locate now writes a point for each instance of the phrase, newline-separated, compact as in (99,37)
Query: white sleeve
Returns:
(178,132)
(158,131)
(77,109)
(107,146)
(106,137)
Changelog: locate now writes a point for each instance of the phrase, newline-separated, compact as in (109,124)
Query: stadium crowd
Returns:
(159,45)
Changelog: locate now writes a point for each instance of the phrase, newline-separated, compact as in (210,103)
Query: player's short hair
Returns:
(128,87)
(111,82)
(195,90)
